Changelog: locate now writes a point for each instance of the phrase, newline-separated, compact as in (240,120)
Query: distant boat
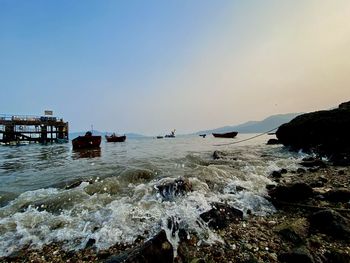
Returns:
(115,138)
(171,135)
(159,137)
(225,135)
(202,135)
(86,141)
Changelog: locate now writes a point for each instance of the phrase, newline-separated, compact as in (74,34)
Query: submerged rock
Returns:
(217,155)
(221,215)
(157,249)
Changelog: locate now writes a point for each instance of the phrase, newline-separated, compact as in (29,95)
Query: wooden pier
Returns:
(15,129)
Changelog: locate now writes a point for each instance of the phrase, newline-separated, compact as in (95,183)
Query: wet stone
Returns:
(170,190)
(221,215)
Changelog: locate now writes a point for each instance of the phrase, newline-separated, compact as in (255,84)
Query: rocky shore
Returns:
(311,224)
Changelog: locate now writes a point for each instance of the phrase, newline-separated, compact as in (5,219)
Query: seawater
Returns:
(115,197)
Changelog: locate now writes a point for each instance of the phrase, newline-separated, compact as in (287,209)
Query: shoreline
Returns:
(280,237)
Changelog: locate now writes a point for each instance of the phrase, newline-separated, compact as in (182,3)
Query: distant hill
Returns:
(267,124)
(72,135)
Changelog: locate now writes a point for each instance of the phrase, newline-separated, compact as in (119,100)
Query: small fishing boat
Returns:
(115,138)
(225,135)
(86,141)
(159,137)
(202,135)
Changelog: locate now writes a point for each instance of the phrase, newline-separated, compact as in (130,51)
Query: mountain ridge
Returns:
(269,123)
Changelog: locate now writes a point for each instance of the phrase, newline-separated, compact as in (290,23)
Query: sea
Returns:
(51,193)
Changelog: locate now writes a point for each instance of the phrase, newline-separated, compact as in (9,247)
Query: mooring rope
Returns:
(261,134)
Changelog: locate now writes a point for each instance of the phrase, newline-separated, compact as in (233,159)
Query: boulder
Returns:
(338,195)
(300,255)
(337,256)
(290,235)
(221,215)
(325,132)
(331,223)
(273,142)
(157,249)
(291,192)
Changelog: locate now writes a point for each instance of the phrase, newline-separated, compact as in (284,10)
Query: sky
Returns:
(153,66)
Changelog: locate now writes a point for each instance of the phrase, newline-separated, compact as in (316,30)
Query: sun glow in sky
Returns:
(152,66)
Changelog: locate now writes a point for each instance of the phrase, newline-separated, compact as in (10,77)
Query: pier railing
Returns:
(8,117)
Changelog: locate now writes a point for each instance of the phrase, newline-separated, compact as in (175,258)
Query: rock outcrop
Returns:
(324,132)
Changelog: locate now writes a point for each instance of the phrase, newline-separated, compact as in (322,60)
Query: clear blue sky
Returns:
(152,66)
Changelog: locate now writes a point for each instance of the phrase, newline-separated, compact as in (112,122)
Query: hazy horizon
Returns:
(151,66)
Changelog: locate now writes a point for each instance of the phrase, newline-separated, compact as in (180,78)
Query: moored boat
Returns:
(225,135)
(86,141)
(171,135)
(202,135)
(115,138)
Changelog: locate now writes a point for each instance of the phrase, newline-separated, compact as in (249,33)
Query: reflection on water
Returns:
(86,153)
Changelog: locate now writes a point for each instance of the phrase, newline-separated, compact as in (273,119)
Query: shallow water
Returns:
(52,193)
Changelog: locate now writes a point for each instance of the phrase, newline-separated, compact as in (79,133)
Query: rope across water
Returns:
(261,134)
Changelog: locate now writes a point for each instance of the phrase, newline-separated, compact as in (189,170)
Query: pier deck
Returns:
(39,129)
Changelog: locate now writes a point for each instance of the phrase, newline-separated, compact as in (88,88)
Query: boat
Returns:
(171,135)
(225,135)
(202,135)
(87,141)
(115,138)
(159,137)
